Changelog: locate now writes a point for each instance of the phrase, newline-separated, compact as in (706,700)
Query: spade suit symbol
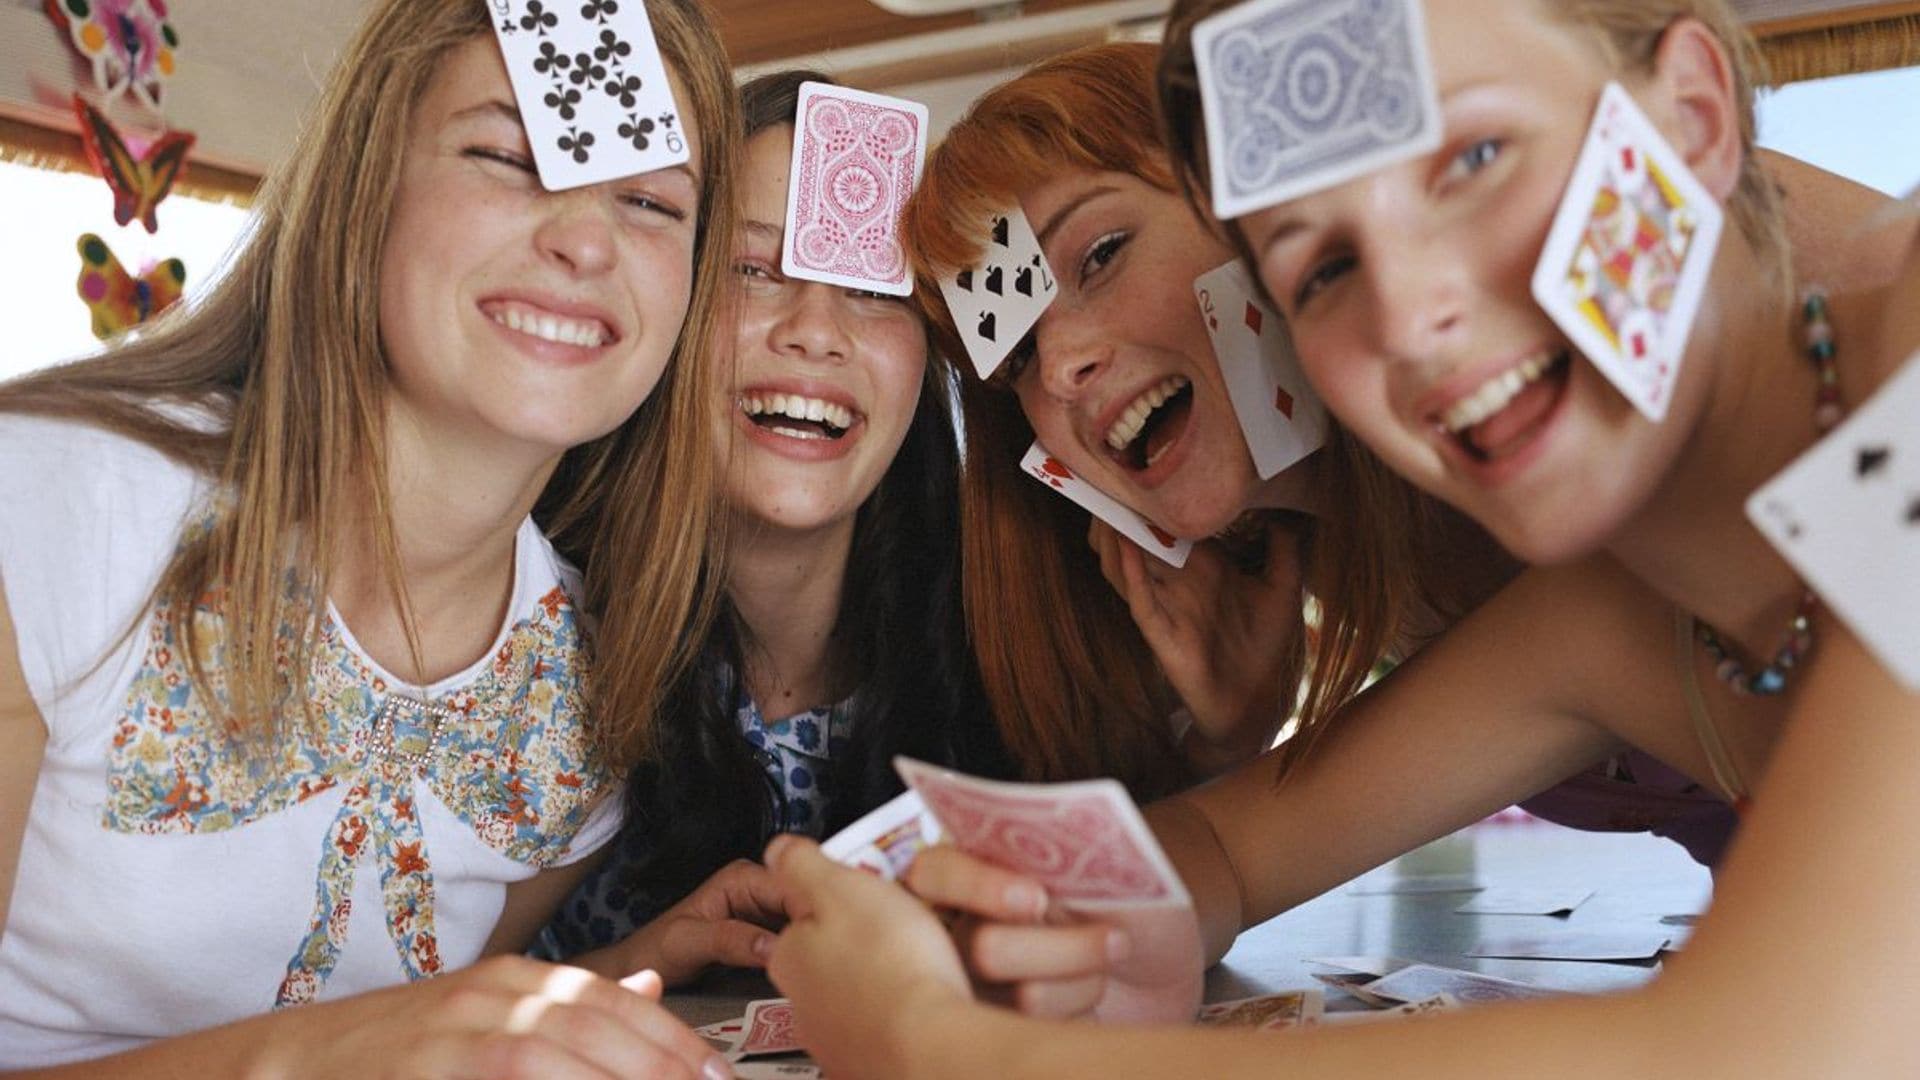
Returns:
(1000,231)
(1872,459)
(1913,512)
(994,283)
(987,322)
(965,280)
(1023,281)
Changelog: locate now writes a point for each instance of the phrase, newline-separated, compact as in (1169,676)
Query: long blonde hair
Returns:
(285,350)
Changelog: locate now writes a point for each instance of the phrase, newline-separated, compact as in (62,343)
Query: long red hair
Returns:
(1073,685)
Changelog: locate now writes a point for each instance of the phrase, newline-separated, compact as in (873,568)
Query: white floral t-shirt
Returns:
(169,882)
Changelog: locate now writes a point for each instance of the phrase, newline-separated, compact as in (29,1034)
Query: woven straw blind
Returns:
(1815,39)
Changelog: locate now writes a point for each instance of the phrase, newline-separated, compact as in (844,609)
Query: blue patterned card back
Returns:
(1301,95)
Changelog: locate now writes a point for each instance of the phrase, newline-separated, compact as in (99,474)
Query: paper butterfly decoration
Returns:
(139,181)
(129,42)
(118,300)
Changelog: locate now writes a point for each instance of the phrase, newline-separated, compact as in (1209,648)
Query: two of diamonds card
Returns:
(1846,514)
(1301,95)
(856,159)
(591,87)
(1050,471)
(1629,254)
(1084,841)
(996,301)
(1280,415)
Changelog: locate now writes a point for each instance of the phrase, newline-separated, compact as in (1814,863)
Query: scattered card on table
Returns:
(1438,1003)
(1301,95)
(776,1070)
(1290,1008)
(1418,982)
(1498,901)
(996,301)
(592,90)
(888,838)
(1846,514)
(1582,945)
(769,1029)
(1280,415)
(1629,253)
(1156,541)
(856,160)
(1084,841)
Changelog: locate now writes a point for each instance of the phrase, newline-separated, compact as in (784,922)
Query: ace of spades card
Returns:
(1301,95)
(997,301)
(592,89)
(856,160)
(1846,514)
(1280,415)
(1051,471)
(1629,254)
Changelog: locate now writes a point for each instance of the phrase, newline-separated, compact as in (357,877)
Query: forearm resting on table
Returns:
(1193,845)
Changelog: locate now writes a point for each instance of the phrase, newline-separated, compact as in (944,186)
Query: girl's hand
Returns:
(728,920)
(1221,636)
(1140,966)
(504,1017)
(867,966)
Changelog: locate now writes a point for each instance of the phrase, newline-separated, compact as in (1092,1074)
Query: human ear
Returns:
(1692,98)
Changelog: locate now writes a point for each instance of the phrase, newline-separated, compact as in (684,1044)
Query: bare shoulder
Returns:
(1599,632)
(1900,309)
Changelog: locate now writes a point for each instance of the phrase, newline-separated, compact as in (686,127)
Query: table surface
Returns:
(1636,879)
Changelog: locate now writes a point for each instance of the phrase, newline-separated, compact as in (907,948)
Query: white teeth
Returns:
(549,327)
(1134,419)
(1495,394)
(799,408)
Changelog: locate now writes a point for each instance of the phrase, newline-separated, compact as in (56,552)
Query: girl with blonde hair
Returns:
(300,696)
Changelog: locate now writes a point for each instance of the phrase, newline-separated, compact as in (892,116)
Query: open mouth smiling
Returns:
(1151,423)
(798,417)
(1501,415)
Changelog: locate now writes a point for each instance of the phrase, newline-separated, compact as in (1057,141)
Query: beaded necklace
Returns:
(1799,639)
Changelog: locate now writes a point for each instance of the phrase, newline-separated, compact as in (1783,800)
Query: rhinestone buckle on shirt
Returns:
(406,730)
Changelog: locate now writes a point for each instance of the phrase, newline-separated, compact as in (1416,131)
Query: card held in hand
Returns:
(856,160)
(1302,95)
(591,87)
(1084,841)
(1629,253)
(1846,515)
(1050,471)
(887,839)
(997,301)
(1280,415)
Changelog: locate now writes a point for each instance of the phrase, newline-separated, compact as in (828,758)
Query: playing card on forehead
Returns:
(856,160)
(1301,95)
(592,89)
(1084,841)
(1846,514)
(1280,415)
(996,301)
(1629,253)
(1054,473)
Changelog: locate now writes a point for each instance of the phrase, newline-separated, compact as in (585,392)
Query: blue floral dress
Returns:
(794,750)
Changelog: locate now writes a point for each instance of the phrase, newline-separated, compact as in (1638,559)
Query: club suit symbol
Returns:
(987,323)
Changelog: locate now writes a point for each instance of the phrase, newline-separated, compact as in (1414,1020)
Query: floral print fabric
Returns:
(507,751)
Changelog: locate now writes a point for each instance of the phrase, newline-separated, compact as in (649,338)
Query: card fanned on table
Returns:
(1085,841)
(1301,95)
(1419,982)
(856,159)
(1846,514)
(1051,471)
(996,301)
(1268,1012)
(1629,253)
(1280,415)
(592,90)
